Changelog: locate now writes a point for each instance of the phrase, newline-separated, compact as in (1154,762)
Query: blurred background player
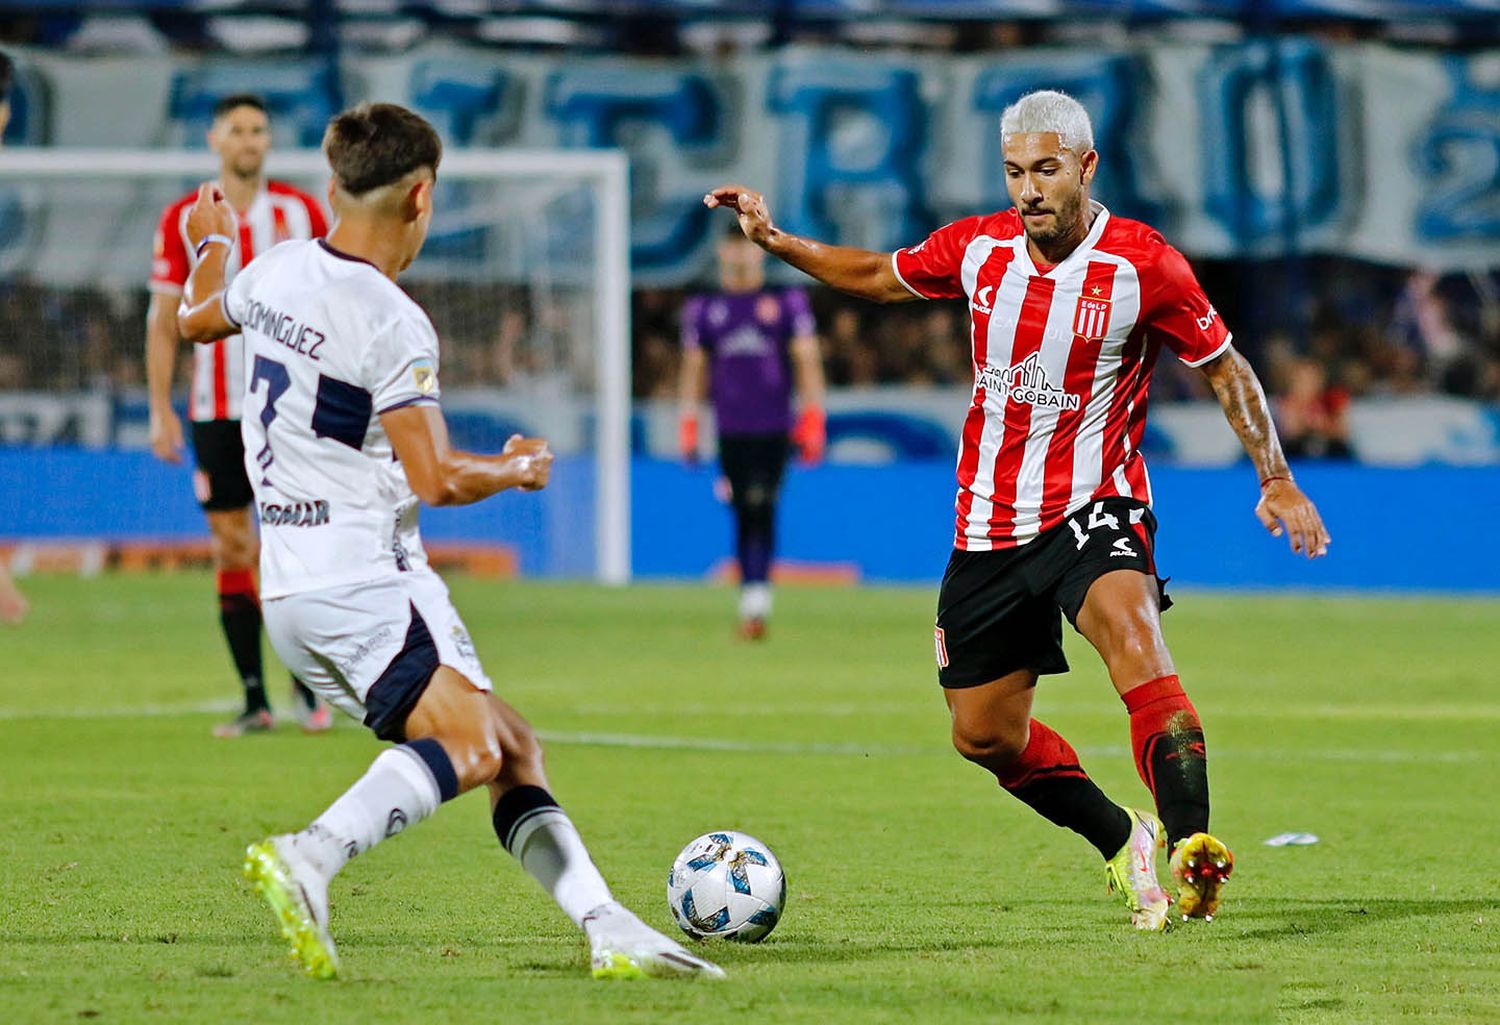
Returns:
(350,437)
(12,601)
(266,212)
(749,346)
(1069,308)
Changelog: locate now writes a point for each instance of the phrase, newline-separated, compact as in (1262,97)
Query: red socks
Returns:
(1047,777)
(1167,739)
(236,583)
(1047,755)
(239,614)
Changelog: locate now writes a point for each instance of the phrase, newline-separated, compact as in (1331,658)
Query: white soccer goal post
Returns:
(526,274)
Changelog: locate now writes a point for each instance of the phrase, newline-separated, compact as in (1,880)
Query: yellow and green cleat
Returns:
(624,947)
(300,905)
(1132,873)
(1200,864)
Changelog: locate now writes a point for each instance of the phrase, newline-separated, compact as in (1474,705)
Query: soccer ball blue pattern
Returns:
(727,885)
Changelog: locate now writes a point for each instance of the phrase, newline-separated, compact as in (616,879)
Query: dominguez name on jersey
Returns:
(1026,383)
(303,339)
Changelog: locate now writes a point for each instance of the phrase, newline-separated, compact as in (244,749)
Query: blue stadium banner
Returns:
(1266,148)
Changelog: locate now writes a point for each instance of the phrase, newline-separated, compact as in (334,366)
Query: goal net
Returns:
(525,275)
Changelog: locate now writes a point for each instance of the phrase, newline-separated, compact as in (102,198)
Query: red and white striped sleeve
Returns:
(930,269)
(1177,309)
(170,266)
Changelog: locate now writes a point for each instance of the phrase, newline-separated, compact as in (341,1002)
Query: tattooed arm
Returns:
(1282,508)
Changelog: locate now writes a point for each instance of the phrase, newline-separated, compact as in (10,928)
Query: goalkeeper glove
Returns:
(687,437)
(811,435)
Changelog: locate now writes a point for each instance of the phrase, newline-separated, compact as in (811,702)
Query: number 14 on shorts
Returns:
(1101,520)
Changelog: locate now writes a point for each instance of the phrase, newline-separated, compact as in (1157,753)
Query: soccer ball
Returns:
(726,885)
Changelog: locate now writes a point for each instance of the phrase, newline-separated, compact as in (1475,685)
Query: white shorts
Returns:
(369,649)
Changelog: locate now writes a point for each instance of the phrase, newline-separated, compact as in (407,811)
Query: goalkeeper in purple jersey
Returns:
(749,347)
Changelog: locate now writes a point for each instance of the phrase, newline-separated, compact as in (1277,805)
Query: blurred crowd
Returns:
(645,28)
(1373,332)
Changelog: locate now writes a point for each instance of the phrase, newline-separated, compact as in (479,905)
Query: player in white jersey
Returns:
(343,437)
(1069,308)
(267,212)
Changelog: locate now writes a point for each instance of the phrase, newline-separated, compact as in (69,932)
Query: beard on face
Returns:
(1065,217)
(248,165)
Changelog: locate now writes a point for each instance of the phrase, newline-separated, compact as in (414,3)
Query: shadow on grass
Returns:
(1323,917)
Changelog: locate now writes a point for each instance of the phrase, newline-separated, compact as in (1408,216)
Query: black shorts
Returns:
(753,465)
(1001,611)
(219,452)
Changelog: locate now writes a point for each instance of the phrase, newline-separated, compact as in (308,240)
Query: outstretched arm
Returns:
(442,475)
(1282,508)
(860,272)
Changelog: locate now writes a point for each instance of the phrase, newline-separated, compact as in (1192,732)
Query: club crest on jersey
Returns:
(424,376)
(1091,318)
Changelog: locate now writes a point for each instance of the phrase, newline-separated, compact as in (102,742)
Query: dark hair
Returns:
(376,144)
(734,233)
(6,71)
(235,100)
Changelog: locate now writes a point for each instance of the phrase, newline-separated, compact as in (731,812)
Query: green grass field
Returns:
(918,891)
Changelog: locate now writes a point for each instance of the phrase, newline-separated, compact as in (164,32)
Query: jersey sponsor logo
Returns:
(424,376)
(982,300)
(1206,321)
(1091,318)
(294,514)
(767,310)
(940,643)
(363,650)
(1027,383)
(462,642)
(745,341)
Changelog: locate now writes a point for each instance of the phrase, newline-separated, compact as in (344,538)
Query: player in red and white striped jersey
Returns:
(1070,307)
(266,212)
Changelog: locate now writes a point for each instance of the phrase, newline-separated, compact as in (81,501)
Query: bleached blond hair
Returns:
(1047,110)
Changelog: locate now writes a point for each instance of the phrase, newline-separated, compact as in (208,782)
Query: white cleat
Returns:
(624,947)
(298,895)
(1132,873)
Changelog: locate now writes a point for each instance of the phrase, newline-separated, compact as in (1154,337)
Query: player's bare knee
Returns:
(476,760)
(1138,650)
(993,746)
(234,544)
(521,746)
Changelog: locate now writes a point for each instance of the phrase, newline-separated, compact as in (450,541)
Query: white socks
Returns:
(397,791)
(755,601)
(544,840)
(407,783)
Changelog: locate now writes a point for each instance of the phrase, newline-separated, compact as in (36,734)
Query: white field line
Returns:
(659,742)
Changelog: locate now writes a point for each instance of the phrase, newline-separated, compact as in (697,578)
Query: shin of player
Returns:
(348,440)
(1069,307)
